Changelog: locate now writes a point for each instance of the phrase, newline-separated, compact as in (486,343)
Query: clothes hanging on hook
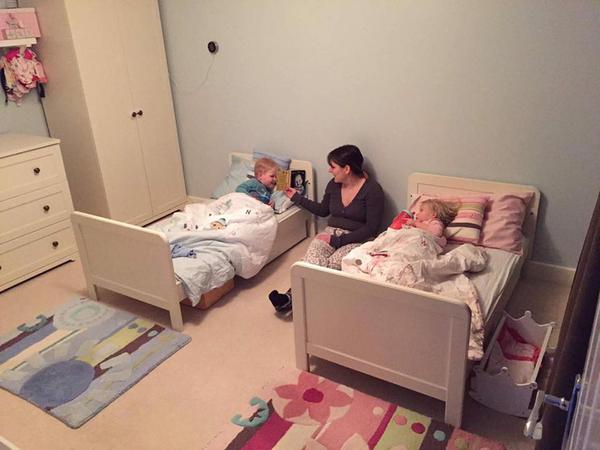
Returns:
(21,71)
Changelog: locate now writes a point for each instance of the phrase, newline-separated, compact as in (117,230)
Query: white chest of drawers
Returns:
(35,208)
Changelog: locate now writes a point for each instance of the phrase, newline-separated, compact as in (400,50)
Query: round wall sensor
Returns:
(213,47)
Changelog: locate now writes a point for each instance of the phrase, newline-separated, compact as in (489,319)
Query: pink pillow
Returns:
(466,226)
(503,221)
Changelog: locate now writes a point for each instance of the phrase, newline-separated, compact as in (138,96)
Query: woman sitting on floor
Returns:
(354,203)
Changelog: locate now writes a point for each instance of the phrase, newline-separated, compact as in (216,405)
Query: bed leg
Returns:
(93,292)
(453,413)
(312,227)
(302,362)
(176,318)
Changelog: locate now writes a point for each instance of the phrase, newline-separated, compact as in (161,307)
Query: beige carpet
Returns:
(236,347)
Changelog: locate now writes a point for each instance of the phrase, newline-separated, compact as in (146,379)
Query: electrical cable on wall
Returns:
(213,48)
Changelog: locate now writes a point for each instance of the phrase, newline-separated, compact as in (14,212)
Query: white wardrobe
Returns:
(109,101)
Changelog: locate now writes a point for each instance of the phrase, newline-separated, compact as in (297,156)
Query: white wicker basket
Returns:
(497,389)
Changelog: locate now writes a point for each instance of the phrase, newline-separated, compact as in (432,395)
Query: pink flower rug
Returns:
(304,411)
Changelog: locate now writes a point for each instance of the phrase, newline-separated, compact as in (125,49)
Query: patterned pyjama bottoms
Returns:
(324,255)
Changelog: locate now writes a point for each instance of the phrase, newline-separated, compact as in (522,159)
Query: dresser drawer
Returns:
(25,172)
(38,209)
(26,254)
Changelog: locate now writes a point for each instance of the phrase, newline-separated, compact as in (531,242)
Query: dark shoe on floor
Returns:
(281,302)
(286,307)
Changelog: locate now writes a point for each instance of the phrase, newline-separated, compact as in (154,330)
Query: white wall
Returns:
(502,90)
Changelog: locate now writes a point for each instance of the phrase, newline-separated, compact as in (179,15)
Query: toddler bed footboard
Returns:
(408,337)
(136,261)
(130,260)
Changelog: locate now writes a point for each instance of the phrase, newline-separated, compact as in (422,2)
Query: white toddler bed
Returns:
(409,337)
(136,261)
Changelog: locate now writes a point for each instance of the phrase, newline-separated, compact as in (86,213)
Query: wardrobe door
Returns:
(150,89)
(102,60)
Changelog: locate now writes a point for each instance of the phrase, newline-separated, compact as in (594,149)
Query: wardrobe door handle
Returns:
(133,114)
(46,208)
(140,113)
(36,170)
(55,244)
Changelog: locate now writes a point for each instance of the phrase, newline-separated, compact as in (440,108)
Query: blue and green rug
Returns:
(74,361)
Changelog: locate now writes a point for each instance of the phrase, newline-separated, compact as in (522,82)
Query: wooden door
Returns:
(102,62)
(585,432)
(151,94)
(575,339)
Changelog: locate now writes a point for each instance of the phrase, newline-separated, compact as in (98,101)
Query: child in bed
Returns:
(433,216)
(265,179)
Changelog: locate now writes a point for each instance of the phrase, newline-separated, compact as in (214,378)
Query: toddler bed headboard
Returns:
(424,183)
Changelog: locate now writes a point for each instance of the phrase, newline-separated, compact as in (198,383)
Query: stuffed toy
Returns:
(402,219)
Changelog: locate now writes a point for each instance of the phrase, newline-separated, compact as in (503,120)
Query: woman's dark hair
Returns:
(347,155)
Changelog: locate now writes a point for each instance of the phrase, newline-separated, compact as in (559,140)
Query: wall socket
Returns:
(213,47)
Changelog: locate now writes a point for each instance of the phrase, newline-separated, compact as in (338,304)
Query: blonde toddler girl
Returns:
(433,216)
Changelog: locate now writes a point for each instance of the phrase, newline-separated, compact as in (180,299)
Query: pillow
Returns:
(503,221)
(280,202)
(241,169)
(282,161)
(466,226)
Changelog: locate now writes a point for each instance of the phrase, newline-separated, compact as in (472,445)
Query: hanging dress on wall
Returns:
(20,72)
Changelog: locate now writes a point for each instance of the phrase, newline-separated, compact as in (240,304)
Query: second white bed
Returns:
(377,328)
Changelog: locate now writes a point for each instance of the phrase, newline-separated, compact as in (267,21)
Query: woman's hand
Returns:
(289,192)
(324,237)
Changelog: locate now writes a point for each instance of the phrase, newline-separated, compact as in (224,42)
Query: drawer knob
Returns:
(54,244)
(36,170)
(140,113)
(134,114)
(46,208)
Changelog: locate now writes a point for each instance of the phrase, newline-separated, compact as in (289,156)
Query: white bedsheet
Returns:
(491,281)
(287,213)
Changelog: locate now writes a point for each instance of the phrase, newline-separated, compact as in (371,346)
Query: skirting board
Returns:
(6,445)
(194,199)
(549,272)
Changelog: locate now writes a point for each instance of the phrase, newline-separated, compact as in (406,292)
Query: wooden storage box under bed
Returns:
(211,297)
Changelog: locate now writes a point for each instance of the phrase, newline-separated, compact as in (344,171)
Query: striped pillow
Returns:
(466,226)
